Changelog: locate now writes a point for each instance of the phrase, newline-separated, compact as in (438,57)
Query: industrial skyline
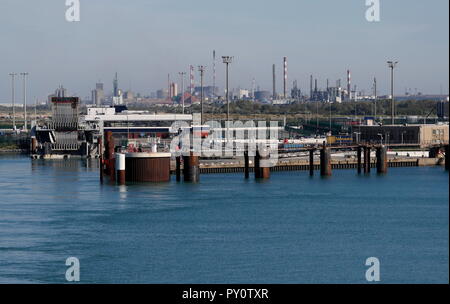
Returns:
(143,56)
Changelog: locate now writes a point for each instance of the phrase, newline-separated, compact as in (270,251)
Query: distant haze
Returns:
(144,40)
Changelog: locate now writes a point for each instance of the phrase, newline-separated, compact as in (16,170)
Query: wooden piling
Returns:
(109,145)
(246,165)
(257,169)
(262,165)
(100,152)
(382,160)
(178,168)
(265,165)
(191,169)
(325,161)
(359,155)
(367,163)
(311,162)
(109,155)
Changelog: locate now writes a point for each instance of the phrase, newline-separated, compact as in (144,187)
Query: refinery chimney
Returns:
(274,83)
(116,86)
(285,78)
(349,83)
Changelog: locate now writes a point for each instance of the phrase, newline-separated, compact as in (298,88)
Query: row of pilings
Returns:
(262,165)
(381,157)
(113,164)
(363,160)
(191,166)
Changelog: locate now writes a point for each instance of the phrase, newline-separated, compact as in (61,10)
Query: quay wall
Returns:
(304,165)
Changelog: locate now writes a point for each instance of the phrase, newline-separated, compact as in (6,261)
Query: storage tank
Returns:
(262,95)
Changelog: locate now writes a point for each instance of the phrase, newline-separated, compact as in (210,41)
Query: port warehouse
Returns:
(421,135)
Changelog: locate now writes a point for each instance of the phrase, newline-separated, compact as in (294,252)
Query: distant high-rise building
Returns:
(116,86)
(128,96)
(173,90)
(162,94)
(118,100)
(98,95)
(94,98)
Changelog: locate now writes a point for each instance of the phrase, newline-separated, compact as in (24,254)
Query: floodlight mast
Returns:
(227,60)
(392,65)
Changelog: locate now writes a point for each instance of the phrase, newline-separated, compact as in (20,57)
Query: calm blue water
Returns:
(291,229)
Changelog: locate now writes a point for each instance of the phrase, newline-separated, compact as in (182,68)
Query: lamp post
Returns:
(330,118)
(201,69)
(392,65)
(375,98)
(227,60)
(13,97)
(182,88)
(25,127)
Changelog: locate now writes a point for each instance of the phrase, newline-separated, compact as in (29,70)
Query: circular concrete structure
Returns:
(147,167)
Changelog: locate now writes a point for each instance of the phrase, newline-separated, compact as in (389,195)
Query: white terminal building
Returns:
(138,122)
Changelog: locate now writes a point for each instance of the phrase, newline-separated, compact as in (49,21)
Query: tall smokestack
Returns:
(311,87)
(375,88)
(191,78)
(274,82)
(116,86)
(315,85)
(214,75)
(349,84)
(285,77)
(169,92)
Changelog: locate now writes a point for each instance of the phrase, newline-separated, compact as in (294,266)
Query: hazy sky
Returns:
(144,40)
